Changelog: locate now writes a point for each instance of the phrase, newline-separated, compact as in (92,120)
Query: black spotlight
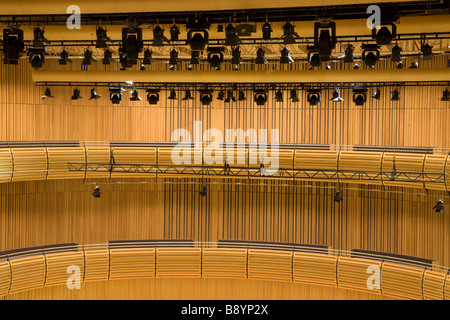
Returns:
(370,54)
(204,191)
(359,95)
(445,95)
(260,58)
(241,96)
(400,65)
(115,95)
(173,61)
(348,53)
(215,57)
(324,41)
(76,94)
(221,95)
(37,57)
(427,51)
(236,57)
(174,32)
(198,39)
(195,57)
(132,44)
(314,97)
(39,39)
(336,96)
(13,45)
(314,59)
(294,96)
(395,95)
(64,57)
(107,57)
(47,94)
(152,96)
(205,97)
(279,96)
(172,95)
(384,36)
(101,38)
(147,57)
(87,60)
(135,96)
(187,95)
(266,31)
(396,54)
(285,56)
(260,97)
(94,95)
(289,33)
(377,94)
(230,97)
(338,196)
(232,38)
(355,66)
(439,207)
(414,65)
(158,37)
(96,192)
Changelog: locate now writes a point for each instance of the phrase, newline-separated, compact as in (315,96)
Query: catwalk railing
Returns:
(378,273)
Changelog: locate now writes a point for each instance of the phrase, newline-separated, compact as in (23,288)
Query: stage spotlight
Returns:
(294,96)
(173,61)
(236,57)
(338,196)
(395,95)
(158,36)
(107,57)
(206,97)
(195,58)
(187,95)
(230,97)
(285,56)
(13,45)
(135,96)
(359,95)
(266,31)
(241,96)
(396,53)
(377,94)
(115,95)
(260,97)
(325,42)
(174,32)
(147,57)
(348,53)
(314,59)
(400,65)
(39,39)
(289,33)
(260,57)
(384,36)
(427,52)
(101,38)
(132,44)
(37,57)
(314,96)
(414,65)
(96,192)
(355,66)
(232,38)
(219,28)
(439,207)
(370,54)
(221,95)
(152,96)
(172,95)
(445,95)
(204,191)
(64,58)
(47,94)
(76,94)
(87,60)
(279,96)
(198,39)
(94,95)
(215,57)
(336,96)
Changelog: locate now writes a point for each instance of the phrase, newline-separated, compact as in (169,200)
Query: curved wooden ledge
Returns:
(38,268)
(416,169)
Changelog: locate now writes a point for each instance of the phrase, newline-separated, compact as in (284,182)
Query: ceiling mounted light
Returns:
(158,36)
(107,57)
(37,57)
(294,96)
(414,65)
(215,57)
(221,95)
(314,96)
(439,207)
(336,96)
(47,94)
(400,65)
(115,95)
(147,57)
(135,96)
(266,31)
(173,61)
(314,59)
(64,57)
(13,45)
(174,32)
(384,36)
(230,97)
(232,39)
(39,40)
(172,95)
(289,34)
(260,97)
(205,97)
(395,95)
(359,95)
(325,39)
(445,95)
(204,191)
(152,96)
(241,96)
(187,95)
(96,193)
(337,196)
(132,44)
(101,38)
(377,94)
(279,96)
(396,53)
(87,60)
(197,35)
(370,54)
(348,53)
(76,94)
(427,52)
(236,57)
(94,95)
(260,57)
(355,66)
(285,56)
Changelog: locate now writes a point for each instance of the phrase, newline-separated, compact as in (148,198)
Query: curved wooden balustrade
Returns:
(401,278)
(417,169)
